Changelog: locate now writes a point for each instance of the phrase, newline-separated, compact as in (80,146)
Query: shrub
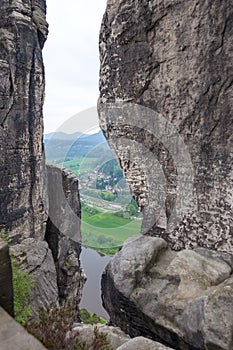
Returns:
(107,196)
(89,318)
(100,341)
(53,326)
(22,285)
(54,330)
(101,239)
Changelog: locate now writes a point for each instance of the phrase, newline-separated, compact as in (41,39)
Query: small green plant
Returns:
(54,325)
(89,318)
(5,237)
(22,285)
(100,341)
(23,282)
(54,330)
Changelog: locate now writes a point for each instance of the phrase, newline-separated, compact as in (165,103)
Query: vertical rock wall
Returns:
(24,203)
(6,285)
(174,57)
(23,31)
(63,232)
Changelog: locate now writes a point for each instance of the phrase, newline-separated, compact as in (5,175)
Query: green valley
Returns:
(109,214)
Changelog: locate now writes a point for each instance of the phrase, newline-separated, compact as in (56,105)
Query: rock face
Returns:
(54,263)
(36,258)
(25,188)
(23,32)
(174,58)
(182,299)
(63,232)
(6,286)
(13,336)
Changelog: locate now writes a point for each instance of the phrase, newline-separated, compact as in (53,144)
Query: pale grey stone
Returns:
(36,258)
(166,108)
(140,343)
(183,299)
(24,182)
(14,337)
(115,335)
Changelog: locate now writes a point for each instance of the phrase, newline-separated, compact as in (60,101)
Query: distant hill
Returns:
(61,136)
(60,146)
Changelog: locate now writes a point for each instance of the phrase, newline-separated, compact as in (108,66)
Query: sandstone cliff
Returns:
(175,59)
(166,108)
(22,35)
(63,232)
(24,185)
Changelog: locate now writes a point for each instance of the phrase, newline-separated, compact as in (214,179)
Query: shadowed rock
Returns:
(6,285)
(63,232)
(182,299)
(23,31)
(24,189)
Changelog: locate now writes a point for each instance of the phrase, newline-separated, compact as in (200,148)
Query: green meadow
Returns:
(103,229)
(105,232)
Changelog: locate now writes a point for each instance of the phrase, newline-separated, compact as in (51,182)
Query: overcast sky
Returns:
(71,59)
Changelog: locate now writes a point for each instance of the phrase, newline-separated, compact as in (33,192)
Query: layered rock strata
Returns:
(63,232)
(25,200)
(181,299)
(174,59)
(23,31)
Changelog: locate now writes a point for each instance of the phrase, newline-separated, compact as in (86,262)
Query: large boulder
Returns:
(115,336)
(140,343)
(117,339)
(181,299)
(166,108)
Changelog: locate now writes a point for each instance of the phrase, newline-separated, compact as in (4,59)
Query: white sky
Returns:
(71,59)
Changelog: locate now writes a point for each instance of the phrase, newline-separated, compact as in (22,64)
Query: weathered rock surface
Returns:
(182,299)
(6,285)
(115,336)
(14,337)
(54,263)
(140,343)
(63,232)
(118,340)
(23,31)
(25,190)
(174,57)
(36,258)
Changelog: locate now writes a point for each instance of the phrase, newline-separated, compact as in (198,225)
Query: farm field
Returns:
(109,215)
(105,232)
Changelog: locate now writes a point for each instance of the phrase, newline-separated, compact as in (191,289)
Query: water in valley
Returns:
(93,264)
